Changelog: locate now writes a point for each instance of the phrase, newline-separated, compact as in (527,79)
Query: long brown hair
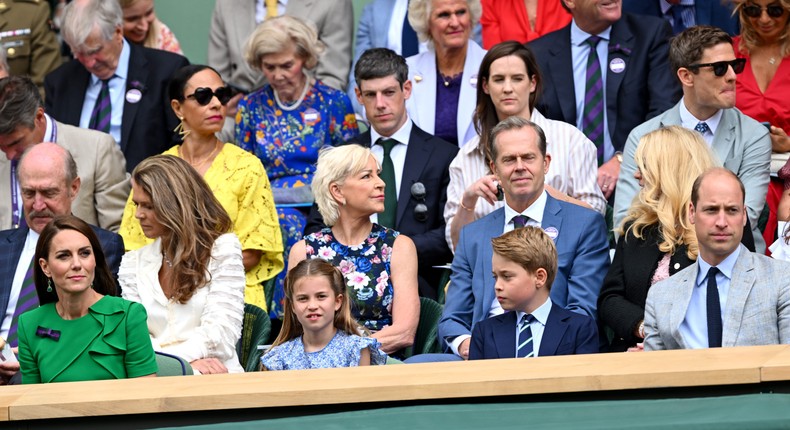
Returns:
(319,268)
(103,281)
(192,216)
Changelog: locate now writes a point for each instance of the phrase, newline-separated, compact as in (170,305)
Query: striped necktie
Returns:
(592,119)
(102,110)
(524,347)
(28,299)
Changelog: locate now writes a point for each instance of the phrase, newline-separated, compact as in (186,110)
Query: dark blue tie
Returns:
(408,39)
(524,347)
(714,310)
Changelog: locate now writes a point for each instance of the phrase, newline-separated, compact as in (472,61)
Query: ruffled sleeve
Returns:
(377,356)
(220,321)
(275,358)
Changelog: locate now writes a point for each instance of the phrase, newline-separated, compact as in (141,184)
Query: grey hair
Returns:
(19,103)
(335,164)
(82,17)
(420,16)
(69,165)
(516,122)
(275,34)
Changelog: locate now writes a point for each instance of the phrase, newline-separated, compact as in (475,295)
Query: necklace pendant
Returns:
(446,84)
(772,60)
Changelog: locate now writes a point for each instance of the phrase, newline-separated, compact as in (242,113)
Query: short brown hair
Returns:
(530,248)
(688,46)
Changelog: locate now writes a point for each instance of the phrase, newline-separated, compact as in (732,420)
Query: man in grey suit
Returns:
(730,296)
(704,62)
(104,183)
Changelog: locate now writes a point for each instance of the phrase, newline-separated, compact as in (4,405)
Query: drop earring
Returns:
(181,130)
(49,285)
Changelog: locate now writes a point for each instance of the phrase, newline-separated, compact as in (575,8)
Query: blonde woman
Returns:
(141,26)
(657,240)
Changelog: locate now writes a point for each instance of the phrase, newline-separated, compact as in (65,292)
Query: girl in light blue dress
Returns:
(318,330)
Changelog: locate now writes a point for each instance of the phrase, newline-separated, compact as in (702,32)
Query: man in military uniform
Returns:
(27,39)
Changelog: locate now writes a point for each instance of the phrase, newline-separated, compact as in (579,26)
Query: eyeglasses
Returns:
(418,193)
(755,11)
(720,67)
(204,95)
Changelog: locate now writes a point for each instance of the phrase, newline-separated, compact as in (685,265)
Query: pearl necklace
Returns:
(299,100)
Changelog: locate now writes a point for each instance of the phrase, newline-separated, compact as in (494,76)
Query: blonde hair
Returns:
(530,248)
(274,35)
(192,216)
(315,267)
(154,27)
(670,159)
(335,164)
(420,17)
(749,37)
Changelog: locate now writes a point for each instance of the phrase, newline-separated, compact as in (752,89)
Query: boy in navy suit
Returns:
(524,264)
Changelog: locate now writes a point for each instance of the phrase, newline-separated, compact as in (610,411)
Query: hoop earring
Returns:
(49,285)
(181,130)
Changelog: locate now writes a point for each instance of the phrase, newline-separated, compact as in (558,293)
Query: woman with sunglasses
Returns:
(287,121)
(762,90)
(236,177)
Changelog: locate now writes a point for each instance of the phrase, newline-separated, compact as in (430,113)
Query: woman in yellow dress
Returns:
(237,178)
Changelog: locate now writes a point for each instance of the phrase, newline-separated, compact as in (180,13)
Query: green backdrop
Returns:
(190,21)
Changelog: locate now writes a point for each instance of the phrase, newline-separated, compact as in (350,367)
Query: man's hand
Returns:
(779,140)
(607,176)
(7,370)
(463,348)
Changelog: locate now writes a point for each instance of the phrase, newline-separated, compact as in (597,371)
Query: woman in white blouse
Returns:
(509,85)
(191,278)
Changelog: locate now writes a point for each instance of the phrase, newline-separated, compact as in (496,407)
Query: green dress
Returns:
(110,342)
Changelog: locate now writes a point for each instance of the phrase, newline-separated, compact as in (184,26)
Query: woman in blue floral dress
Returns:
(287,121)
(379,264)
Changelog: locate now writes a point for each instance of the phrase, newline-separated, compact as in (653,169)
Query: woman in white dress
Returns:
(191,278)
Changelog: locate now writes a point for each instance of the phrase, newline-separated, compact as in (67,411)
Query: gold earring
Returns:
(181,130)
(49,285)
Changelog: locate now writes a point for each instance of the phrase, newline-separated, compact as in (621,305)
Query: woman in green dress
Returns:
(80,332)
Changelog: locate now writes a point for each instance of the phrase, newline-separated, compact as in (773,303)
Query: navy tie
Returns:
(520,221)
(702,128)
(524,348)
(102,110)
(714,310)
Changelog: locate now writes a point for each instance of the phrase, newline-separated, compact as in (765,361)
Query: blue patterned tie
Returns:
(28,299)
(592,120)
(713,306)
(524,347)
(102,110)
(702,128)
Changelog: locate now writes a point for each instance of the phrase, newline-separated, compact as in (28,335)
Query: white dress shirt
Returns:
(537,326)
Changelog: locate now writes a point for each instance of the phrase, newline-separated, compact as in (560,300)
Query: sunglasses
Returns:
(204,95)
(418,193)
(720,67)
(754,11)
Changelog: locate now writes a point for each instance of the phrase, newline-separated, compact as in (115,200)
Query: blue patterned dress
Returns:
(366,267)
(344,350)
(287,142)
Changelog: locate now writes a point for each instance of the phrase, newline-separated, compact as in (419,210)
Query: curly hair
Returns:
(669,160)
(192,216)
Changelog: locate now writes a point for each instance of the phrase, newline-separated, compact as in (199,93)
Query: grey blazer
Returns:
(758,305)
(741,144)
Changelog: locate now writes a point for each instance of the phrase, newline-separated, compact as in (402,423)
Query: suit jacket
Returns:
(147,126)
(646,88)
(428,161)
(566,333)
(758,305)
(13,241)
(104,183)
(233,21)
(741,144)
(583,258)
(706,12)
(422,103)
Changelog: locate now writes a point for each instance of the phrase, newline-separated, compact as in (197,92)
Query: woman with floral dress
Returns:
(378,264)
(287,121)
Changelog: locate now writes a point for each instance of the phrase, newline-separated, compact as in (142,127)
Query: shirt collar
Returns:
(688,120)
(541,314)
(579,36)
(402,135)
(122,70)
(534,211)
(48,130)
(725,267)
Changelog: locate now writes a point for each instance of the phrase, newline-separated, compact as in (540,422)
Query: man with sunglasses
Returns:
(417,162)
(704,62)
(113,86)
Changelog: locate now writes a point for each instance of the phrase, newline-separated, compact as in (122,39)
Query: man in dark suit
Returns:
(132,79)
(683,14)
(420,163)
(49,184)
(524,265)
(631,54)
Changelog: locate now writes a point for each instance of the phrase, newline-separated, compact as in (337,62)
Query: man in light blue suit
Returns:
(520,164)
(730,296)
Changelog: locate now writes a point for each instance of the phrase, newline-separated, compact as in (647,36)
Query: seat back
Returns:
(255,330)
(171,365)
(427,338)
